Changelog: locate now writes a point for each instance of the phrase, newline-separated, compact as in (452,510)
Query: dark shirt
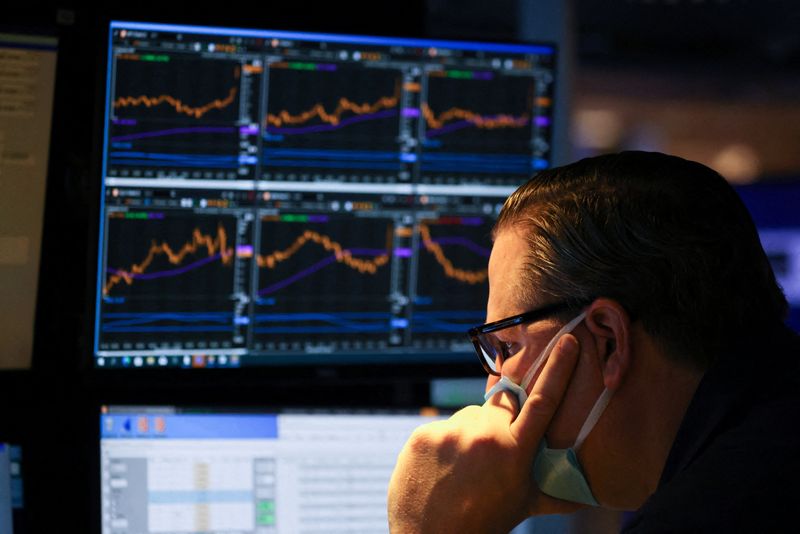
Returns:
(735,463)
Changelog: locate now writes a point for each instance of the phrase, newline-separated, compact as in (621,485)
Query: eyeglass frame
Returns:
(543,312)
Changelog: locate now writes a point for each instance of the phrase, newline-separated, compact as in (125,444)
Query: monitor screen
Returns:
(164,469)
(774,207)
(11,492)
(27,86)
(279,198)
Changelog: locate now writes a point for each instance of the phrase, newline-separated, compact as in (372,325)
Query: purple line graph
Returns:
(175,131)
(169,273)
(464,242)
(329,127)
(308,271)
(460,125)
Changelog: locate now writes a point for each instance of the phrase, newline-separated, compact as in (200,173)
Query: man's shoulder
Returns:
(743,481)
(735,470)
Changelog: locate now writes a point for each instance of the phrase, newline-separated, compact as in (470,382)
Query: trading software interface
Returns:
(11,494)
(274,197)
(167,471)
(774,207)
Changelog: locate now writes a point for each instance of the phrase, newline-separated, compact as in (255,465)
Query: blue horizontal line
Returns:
(156,155)
(473,164)
(189,496)
(144,320)
(128,315)
(340,38)
(334,154)
(208,328)
(332,164)
(319,329)
(339,325)
(440,327)
(276,317)
(172,163)
(522,165)
(465,168)
(449,315)
(454,156)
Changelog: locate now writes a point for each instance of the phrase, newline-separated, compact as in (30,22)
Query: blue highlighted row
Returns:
(291,323)
(180,160)
(199,497)
(187,322)
(335,159)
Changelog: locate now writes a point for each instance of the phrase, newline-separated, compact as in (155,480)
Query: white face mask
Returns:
(557,471)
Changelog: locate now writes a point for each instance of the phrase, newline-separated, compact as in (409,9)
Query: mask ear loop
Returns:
(567,328)
(593,417)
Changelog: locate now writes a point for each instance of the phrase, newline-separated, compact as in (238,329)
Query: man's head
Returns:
(666,238)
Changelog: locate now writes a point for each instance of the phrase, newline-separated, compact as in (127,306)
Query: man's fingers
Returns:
(548,390)
(504,402)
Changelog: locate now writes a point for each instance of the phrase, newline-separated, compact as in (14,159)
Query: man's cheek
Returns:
(570,415)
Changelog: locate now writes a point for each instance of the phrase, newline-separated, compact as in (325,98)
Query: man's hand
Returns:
(473,472)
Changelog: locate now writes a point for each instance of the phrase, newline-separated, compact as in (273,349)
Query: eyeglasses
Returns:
(491,350)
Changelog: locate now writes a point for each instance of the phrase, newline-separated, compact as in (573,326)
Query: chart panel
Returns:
(452,285)
(323,278)
(483,126)
(172,116)
(329,119)
(175,278)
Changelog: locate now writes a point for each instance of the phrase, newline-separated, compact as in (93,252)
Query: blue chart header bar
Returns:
(338,38)
(188,426)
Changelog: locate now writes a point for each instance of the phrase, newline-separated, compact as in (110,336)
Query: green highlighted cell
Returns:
(141,215)
(294,218)
(136,215)
(265,507)
(463,74)
(265,513)
(159,58)
(302,66)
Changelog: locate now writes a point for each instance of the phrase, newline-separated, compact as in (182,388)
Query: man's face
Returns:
(526,342)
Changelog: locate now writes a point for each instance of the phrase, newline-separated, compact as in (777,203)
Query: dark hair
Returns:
(667,238)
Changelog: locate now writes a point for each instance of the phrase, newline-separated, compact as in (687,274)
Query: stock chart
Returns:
(271,196)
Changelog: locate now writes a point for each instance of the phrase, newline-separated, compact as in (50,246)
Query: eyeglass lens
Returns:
(491,350)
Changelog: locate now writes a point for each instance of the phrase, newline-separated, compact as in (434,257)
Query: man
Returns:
(639,362)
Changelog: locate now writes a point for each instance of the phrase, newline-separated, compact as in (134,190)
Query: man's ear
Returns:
(610,324)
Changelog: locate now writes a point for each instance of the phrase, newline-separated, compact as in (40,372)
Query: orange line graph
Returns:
(489,123)
(342,256)
(212,244)
(344,105)
(462,275)
(180,107)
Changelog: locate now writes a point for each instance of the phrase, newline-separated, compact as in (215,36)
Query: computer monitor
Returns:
(11,493)
(166,469)
(774,207)
(273,197)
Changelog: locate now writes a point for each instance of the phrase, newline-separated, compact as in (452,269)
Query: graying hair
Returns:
(667,238)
